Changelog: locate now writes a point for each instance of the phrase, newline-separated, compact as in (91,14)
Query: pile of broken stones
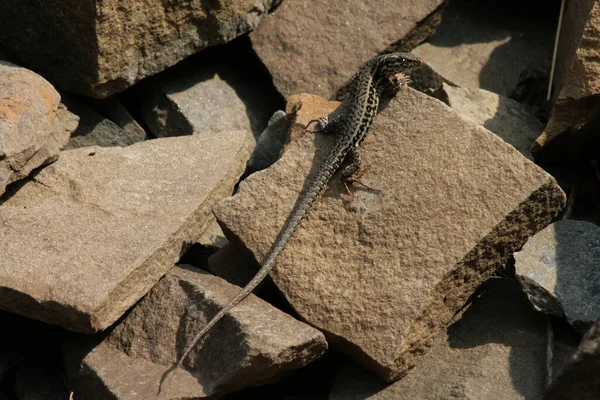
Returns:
(148,160)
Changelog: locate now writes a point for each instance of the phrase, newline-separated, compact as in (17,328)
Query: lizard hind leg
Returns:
(349,173)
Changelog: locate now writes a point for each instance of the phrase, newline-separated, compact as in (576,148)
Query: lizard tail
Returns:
(303,204)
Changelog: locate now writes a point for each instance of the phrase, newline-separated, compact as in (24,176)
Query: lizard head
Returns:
(394,63)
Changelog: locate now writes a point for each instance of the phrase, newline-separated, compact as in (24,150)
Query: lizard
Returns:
(351,121)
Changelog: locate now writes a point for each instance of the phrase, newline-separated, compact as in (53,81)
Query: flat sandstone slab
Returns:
(89,235)
(382,272)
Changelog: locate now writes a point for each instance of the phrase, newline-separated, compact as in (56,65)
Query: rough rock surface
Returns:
(577,78)
(486,44)
(89,235)
(317,48)
(505,117)
(255,343)
(382,271)
(495,350)
(34,125)
(558,269)
(579,379)
(98,48)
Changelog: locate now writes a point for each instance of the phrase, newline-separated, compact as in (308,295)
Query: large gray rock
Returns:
(204,95)
(34,125)
(382,272)
(505,117)
(558,269)
(495,349)
(93,232)
(317,47)
(98,48)
(580,377)
(254,344)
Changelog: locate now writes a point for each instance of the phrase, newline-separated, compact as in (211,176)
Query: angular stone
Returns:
(254,344)
(99,227)
(485,44)
(96,130)
(34,125)
(505,117)
(317,47)
(577,80)
(558,269)
(382,272)
(495,349)
(98,48)
(580,378)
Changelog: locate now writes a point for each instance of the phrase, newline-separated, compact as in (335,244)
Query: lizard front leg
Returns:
(397,81)
(328,124)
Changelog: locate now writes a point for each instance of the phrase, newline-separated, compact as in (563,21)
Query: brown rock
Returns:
(580,379)
(254,344)
(213,235)
(383,271)
(576,83)
(306,108)
(486,44)
(316,47)
(98,48)
(34,126)
(93,232)
(495,350)
(505,117)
